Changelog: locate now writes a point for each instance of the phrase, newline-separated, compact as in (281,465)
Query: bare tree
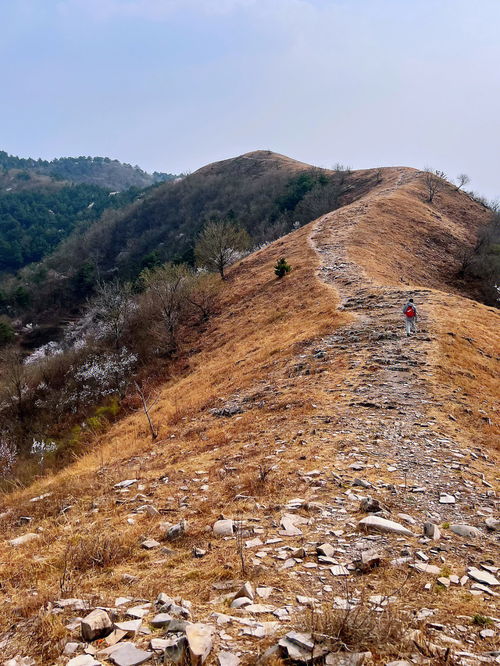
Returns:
(147,410)
(462,179)
(167,287)
(434,182)
(110,309)
(219,245)
(14,387)
(203,293)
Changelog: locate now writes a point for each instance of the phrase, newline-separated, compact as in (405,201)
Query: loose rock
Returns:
(377,524)
(223,527)
(96,624)
(200,642)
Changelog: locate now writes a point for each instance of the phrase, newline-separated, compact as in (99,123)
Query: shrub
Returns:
(282,267)
(7,334)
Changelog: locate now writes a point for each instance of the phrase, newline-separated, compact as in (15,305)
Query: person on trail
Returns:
(410,313)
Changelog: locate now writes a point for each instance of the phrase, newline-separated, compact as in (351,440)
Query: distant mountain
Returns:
(266,193)
(101,171)
(42,202)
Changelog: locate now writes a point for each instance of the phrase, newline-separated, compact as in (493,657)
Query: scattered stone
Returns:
(246,591)
(161,620)
(339,570)
(259,609)
(306,601)
(138,611)
(130,626)
(289,524)
(126,483)
(178,626)
(176,531)
(407,518)
(347,658)
(228,659)
(487,633)
(25,538)
(301,647)
(83,660)
(444,581)
(370,559)
(326,549)
(485,589)
(96,624)
(447,499)
(423,567)
(466,531)
(370,505)
(129,655)
(362,483)
(199,552)
(492,524)
(377,524)
(149,544)
(241,602)
(70,648)
(72,604)
(432,531)
(483,577)
(223,527)
(200,642)
(164,600)
(176,650)
(264,592)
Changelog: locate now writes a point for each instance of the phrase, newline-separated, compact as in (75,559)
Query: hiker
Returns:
(410,313)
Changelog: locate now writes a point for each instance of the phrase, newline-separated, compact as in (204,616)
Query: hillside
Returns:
(266,193)
(300,421)
(39,214)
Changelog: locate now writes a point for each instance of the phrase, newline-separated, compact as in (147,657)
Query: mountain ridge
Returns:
(302,412)
(102,171)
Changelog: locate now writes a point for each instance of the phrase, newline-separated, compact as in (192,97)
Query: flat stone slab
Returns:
(161,620)
(228,659)
(466,531)
(129,655)
(483,577)
(376,524)
(83,660)
(130,626)
(149,544)
(424,567)
(25,538)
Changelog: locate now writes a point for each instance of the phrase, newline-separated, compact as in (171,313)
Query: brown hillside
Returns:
(326,402)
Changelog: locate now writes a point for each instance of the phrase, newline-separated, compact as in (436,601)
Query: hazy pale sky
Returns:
(174,84)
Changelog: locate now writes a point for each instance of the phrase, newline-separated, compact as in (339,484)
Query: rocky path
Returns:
(389,375)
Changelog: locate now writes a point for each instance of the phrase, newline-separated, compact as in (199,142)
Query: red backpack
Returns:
(410,311)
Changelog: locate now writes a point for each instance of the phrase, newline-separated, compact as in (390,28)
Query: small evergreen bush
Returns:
(282,267)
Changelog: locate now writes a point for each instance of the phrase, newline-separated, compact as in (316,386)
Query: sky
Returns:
(172,85)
